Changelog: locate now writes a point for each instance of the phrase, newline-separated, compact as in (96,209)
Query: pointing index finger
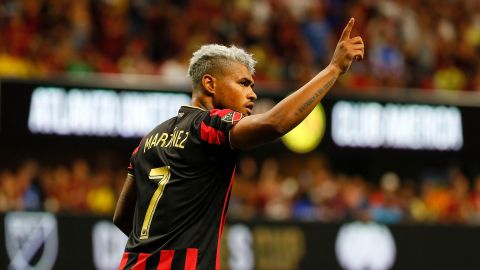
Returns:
(347,30)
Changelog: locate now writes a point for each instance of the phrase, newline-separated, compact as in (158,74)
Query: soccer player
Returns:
(175,197)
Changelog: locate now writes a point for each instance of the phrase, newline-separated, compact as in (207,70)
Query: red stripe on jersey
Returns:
(191,260)
(222,222)
(130,165)
(220,113)
(141,261)
(124,260)
(211,135)
(236,117)
(166,258)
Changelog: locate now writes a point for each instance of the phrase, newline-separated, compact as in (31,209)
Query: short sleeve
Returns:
(130,168)
(215,126)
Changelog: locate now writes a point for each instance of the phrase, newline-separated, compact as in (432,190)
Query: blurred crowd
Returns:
(421,44)
(72,189)
(275,189)
(308,189)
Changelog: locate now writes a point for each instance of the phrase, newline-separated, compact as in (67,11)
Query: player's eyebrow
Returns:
(247,80)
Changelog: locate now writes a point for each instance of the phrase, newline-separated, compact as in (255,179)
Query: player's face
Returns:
(234,89)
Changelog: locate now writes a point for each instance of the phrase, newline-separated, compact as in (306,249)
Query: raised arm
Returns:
(262,128)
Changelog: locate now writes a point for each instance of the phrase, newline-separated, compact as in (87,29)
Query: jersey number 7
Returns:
(160,176)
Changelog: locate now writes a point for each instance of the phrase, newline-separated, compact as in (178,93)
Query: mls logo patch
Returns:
(31,240)
(232,117)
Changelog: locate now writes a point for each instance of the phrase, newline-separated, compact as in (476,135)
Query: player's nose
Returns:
(251,95)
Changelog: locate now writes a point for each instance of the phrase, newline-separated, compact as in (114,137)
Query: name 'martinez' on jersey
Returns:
(175,139)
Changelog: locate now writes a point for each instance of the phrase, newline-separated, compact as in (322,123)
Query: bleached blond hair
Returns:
(212,57)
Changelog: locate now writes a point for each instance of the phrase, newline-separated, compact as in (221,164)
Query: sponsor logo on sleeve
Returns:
(232,117)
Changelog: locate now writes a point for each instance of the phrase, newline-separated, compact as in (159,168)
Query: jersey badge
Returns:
(232,117)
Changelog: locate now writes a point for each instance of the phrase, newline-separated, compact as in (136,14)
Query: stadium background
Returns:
(287,209)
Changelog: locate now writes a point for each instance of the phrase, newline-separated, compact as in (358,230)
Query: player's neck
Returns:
(202,102)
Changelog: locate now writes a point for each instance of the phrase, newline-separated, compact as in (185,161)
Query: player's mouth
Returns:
(249,108)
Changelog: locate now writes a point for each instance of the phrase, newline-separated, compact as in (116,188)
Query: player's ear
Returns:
(209,83)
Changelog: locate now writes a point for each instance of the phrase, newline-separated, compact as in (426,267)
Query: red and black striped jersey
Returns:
(183,171)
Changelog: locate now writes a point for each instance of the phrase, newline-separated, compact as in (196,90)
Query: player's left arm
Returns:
(123,216)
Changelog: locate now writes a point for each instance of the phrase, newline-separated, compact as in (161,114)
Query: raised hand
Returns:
(347,49)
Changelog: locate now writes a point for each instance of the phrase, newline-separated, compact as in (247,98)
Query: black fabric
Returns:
(194,148)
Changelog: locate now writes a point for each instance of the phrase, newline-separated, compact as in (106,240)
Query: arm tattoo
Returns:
(316,95)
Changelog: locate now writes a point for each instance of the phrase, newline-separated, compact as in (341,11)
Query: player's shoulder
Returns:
(226,115)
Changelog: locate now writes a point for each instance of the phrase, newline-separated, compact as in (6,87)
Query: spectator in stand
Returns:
(79,185)
(461,208)
(243,203)
(100,197)
(270,198)
(60,199)
(10,195)
(318,32)
(475,202)
(354,194)
(32,193)
(385,204)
